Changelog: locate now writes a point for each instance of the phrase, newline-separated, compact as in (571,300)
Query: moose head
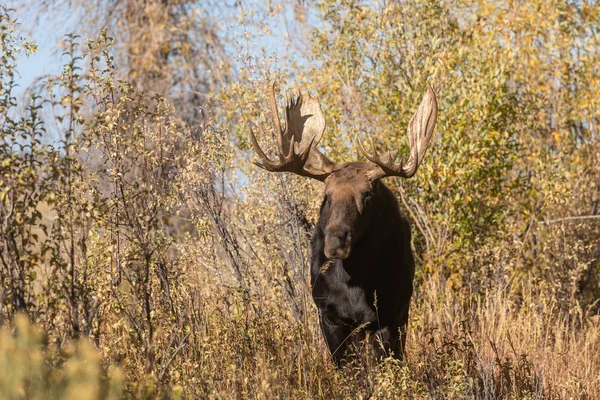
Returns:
(351,188)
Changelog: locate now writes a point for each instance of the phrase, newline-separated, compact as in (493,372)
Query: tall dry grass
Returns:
(495,347)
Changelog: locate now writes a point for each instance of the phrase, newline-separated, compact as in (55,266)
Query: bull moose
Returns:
(362,266)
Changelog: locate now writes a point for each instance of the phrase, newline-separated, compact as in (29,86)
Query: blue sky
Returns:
(46,34)
(41,63)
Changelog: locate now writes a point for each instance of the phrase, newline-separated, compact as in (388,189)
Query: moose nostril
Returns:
(337,243)
(338,236)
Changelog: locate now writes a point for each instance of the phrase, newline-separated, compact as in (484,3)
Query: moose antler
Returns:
(297,153)
(420,130)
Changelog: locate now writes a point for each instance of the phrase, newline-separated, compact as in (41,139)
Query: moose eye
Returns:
(367,199)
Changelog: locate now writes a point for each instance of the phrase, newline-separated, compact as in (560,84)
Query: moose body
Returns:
(362,266)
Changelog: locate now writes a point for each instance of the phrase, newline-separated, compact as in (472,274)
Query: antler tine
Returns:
(385,161)
(373,147)
(362,148)
(275,118)
(429,126)
(266,162)
(392,156)
(299,99)
(410,167)
(420,130)
(369,156)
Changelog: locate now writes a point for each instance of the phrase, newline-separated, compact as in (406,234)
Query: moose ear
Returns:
(317,161)
(374,172)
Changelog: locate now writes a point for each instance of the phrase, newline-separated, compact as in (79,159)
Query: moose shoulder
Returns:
(362,266)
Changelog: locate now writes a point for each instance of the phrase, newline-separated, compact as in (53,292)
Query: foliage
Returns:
(155,261)
(27,180)
(478,178)
(29,370)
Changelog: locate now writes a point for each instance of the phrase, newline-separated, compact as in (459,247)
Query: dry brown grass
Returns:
(490,350)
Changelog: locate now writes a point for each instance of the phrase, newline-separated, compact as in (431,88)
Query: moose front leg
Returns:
(338,336)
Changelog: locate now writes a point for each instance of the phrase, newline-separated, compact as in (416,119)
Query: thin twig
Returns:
(181,345)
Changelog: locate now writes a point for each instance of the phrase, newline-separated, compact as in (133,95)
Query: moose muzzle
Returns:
(337,244)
